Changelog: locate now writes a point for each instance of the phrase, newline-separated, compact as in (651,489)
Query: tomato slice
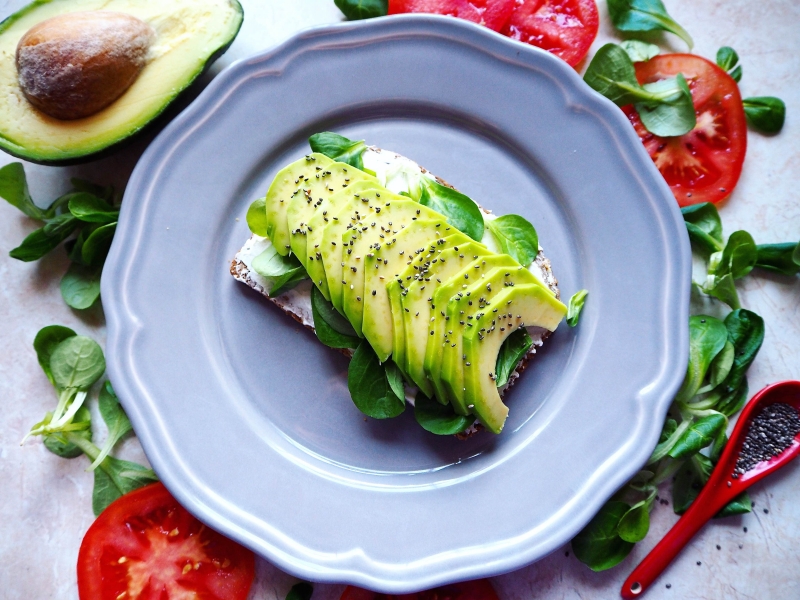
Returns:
(492,13)
(565,28)
(703,165)
(480,589)
(146,546)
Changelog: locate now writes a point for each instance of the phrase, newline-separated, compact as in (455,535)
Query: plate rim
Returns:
(122,322)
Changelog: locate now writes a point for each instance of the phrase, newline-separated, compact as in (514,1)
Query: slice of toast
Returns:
(297,302)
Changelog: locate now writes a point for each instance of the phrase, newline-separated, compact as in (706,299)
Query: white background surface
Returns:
(45,501)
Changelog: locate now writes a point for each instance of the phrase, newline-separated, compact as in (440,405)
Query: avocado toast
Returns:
(406,271)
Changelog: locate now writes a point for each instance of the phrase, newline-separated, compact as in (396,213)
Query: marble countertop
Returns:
(45,501)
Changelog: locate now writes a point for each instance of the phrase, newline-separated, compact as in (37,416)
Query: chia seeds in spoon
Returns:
(771,432)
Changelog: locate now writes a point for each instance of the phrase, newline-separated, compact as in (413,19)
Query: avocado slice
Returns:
(414,277)
(190,36)
(296,179)
(417,293)
(317,191)
(517,306)
(496,273)
(358,202)
(324,214)
(392,213)
(382,266)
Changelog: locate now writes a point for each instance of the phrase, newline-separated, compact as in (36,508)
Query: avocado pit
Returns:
(74,65)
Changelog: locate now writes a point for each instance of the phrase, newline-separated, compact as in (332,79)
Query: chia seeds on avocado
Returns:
(771,432)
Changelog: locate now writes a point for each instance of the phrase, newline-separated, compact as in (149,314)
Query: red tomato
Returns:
(146,546)
(491,13)
(479,589)
(703,165)
(565,28)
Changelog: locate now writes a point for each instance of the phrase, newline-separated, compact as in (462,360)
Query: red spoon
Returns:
(720,489)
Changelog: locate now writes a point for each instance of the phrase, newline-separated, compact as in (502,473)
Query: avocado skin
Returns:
(159,120)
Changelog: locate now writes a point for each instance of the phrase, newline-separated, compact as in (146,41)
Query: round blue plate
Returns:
(246,417)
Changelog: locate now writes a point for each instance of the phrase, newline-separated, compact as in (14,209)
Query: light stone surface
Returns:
(45,501)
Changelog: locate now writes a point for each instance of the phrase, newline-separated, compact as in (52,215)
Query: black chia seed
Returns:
(771,432)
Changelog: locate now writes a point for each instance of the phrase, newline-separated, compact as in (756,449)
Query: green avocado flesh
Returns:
(391,214)
(315,257)
(189,36)
(315,197)
(518,306)
(414,287)
(415,292)
(489,277)
(358,203)
(382,265)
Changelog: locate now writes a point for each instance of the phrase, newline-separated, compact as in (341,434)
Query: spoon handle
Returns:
(708,503)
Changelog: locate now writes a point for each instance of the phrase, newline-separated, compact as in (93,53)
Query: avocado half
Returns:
(190,36)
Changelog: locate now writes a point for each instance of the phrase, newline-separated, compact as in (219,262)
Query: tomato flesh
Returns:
(480,589)
(565,28)
(146,546)
(703,165)
(492,13)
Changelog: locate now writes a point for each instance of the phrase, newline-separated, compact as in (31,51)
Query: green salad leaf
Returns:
(746,333)
(639,51)
(699,435)
(707,337)
(739,255)
(665,106)
(73,364)
(82,426)
(46,239)
(634,524)
(46,340)
(332,329)
(96,245)
(91,209)
(257,217)
(14,189)
(728,61)
(458,210)
(704,227)
(114,478)
(516,237)
(80,286)
(779,258)
(77,363)
(576,302)
(673,113)
(339,148)
(765,113)
(281,272)
(369,385)
(116,420)
(612,74)
(645,15)
(599,545)
(720,368)
(362,9)
(438,418)
(513,349)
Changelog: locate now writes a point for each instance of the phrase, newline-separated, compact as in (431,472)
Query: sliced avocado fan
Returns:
(420,292)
